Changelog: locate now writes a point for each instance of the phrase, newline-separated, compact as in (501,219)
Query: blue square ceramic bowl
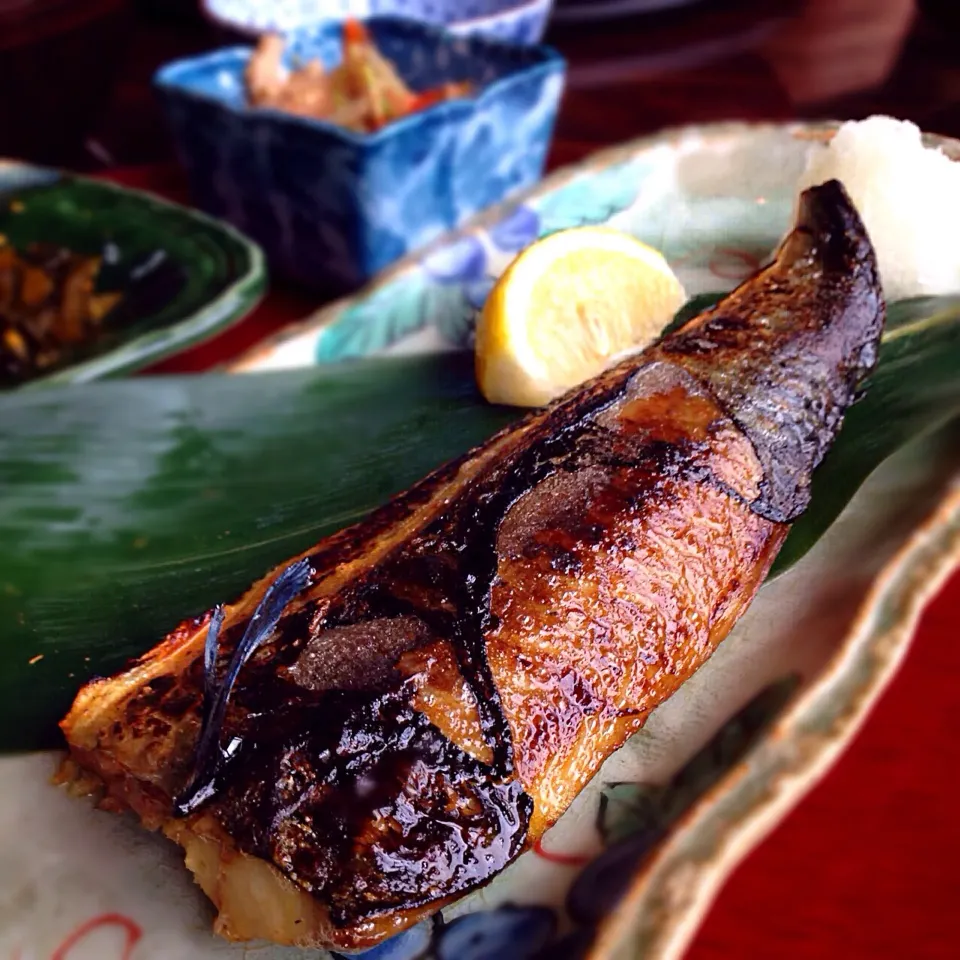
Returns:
(332,207)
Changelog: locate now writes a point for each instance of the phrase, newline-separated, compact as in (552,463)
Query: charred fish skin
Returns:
(786,373)
(460,664)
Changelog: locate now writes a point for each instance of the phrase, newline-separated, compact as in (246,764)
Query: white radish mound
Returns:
(908,197)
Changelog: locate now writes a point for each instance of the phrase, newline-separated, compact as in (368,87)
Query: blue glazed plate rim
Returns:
(226,308)
(544,61)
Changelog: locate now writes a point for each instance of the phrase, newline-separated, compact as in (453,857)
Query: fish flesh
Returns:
(384,723)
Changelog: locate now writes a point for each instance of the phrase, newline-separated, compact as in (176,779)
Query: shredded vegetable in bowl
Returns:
(363,93)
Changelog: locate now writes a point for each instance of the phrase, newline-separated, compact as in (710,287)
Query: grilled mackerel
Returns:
(385,723)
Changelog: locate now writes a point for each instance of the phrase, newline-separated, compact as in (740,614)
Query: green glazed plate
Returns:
(184,276)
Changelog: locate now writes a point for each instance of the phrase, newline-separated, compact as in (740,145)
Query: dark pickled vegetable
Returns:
(49,305)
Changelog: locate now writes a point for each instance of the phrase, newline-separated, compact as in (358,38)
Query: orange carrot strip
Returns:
(354,31)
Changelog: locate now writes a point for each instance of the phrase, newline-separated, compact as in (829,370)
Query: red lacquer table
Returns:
(867,865)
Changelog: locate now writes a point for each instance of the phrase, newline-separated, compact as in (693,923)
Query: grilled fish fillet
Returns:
(384,724)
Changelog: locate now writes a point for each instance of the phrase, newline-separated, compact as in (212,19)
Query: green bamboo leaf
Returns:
(128,506)
(696,304)
(914,389)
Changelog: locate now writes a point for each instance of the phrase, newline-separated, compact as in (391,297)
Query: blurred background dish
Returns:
(518,21)
(179,276)
(332,207)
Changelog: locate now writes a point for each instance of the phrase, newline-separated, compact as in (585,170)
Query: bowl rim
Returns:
(476,23)
(221,19)
(543,60)
(227,307)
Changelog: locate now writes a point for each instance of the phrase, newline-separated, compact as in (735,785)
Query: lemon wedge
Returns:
(567,305)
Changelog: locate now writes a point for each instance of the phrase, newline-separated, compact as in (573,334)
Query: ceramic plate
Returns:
(184,276)
(631,868)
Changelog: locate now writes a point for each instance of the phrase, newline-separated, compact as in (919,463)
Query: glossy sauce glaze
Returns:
(459,665)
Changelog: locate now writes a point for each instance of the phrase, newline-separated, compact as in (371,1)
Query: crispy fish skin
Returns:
(463,661)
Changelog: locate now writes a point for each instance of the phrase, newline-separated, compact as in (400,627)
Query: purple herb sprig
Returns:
(211,754)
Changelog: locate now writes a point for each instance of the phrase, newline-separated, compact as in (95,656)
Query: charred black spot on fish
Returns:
(364,803)
(560,556)
(176,707)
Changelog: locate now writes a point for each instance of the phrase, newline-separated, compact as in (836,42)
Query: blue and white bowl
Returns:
(332,207)
(515,21)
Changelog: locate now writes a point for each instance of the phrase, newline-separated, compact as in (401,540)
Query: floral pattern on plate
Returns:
(708,204)
(449,285)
